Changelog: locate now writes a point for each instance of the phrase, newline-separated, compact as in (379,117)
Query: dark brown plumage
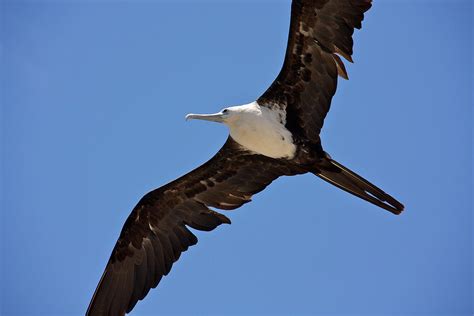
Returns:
(319,31)
(155,234)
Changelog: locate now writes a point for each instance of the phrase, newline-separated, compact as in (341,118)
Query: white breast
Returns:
(261,130)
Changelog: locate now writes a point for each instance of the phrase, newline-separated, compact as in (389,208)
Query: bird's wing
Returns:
(156,232)
(320,31)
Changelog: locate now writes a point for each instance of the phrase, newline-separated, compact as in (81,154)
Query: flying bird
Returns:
(276,135)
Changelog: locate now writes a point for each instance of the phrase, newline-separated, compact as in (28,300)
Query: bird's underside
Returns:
(157,230)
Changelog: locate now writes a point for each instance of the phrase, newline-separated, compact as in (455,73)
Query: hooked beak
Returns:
(216,117)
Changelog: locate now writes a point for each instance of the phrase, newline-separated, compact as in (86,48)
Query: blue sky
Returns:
(94,96)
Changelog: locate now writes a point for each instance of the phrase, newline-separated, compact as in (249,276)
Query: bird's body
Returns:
(276,135)
(261,130)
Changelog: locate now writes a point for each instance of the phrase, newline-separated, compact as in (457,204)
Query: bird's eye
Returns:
(225,111)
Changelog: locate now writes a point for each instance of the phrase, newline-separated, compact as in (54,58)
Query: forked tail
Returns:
(335,173)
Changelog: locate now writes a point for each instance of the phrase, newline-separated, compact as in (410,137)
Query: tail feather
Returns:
(340,176)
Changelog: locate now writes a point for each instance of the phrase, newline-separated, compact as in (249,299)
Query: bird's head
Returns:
(226,116)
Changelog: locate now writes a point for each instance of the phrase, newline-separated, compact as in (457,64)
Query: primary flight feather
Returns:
(276,135)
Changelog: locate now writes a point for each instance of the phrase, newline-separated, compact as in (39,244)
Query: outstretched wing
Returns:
(320,31)
(156,232)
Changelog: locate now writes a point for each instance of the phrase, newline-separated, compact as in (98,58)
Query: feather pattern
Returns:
(156,232)
(320,30)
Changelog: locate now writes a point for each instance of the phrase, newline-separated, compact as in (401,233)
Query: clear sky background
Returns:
(94,96)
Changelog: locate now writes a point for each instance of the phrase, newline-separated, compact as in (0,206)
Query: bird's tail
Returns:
(335,173)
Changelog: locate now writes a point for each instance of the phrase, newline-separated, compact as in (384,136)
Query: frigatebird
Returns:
(276,135)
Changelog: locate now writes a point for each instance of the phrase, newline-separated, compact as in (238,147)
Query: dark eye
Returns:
(225,111)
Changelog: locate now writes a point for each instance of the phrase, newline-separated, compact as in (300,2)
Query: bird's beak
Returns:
(216,117)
